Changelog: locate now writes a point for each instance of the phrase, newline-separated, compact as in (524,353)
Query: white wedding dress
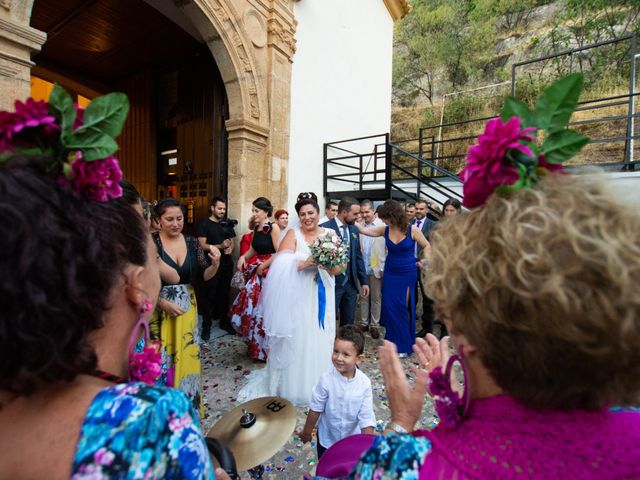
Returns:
(300,339)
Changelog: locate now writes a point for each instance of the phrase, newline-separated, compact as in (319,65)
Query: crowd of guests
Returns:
(100,373)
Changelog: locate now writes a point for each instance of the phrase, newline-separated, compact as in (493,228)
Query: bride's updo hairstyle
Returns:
(544,284)
(307,198)
(264,204)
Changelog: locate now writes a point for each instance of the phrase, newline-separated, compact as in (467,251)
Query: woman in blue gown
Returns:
(400,275)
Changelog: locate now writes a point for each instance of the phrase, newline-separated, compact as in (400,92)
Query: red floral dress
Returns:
(244,311)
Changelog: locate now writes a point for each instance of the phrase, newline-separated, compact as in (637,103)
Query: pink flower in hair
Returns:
(545,167)
(97,180)
(487,166)
(31,114)
(32,117)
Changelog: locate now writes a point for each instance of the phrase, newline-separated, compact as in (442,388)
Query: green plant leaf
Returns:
(94,145)
(106,114)
(61,106)
(558,101)
(515,108)
(562,145)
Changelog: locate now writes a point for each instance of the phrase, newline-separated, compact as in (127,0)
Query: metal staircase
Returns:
(374,168)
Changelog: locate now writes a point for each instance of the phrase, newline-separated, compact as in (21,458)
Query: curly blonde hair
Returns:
(545,285)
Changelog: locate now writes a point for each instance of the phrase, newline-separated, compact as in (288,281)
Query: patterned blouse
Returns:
(133,430)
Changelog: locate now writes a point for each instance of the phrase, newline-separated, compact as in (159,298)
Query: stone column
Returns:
(17,42)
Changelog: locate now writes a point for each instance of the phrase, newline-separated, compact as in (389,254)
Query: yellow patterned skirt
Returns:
(177,335)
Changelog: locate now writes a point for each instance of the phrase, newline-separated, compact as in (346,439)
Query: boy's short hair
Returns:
(353,334)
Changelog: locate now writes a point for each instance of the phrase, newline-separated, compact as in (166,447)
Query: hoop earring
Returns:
(146,365)
(450,406)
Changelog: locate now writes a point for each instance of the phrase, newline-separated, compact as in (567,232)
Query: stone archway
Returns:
(252,42)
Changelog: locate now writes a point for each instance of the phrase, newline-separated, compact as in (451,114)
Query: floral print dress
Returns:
(244,312)
(133,430)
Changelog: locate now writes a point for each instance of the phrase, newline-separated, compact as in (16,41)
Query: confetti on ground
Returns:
(224,369)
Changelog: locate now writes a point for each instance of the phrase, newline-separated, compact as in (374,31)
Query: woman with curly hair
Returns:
(398,313)
(254,264)
(175,319)
(539,292)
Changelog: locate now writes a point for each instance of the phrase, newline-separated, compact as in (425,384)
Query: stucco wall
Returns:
(341,82)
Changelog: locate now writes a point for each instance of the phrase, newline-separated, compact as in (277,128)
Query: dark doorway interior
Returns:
(174,142)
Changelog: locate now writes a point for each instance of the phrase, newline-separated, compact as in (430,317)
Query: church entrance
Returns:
(174,143)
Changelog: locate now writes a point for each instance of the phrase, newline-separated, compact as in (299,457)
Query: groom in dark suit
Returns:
(347,284)
(425,224)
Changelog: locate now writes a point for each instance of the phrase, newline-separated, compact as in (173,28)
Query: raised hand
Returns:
(405,401)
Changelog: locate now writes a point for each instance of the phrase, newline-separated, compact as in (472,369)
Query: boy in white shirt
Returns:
(342,399)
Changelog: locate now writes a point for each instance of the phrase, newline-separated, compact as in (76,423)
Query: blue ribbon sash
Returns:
(322,301)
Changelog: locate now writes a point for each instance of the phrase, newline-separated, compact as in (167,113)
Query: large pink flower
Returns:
(97,180)
(487,168)
(32,114)
(20,128)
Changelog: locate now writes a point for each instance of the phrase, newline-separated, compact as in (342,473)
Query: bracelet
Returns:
(394,427)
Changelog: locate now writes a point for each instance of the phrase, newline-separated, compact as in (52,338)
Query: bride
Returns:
(299,315)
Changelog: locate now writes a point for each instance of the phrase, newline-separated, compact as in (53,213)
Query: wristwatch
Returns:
(394,427)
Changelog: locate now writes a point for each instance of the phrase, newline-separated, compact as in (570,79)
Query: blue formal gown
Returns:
(400,276)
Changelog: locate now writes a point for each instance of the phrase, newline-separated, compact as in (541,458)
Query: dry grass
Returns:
(450,154)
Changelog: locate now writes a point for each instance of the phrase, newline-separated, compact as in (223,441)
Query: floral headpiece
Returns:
(507,156)
(79,142)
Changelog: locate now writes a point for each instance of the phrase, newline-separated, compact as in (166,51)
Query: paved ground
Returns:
(225,366)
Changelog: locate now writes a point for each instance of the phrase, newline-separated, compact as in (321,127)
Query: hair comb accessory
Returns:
(507,157)
(78,143)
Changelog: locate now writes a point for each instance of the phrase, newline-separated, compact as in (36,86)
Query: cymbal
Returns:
(254,431)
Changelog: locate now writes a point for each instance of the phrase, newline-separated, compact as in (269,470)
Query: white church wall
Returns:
(340,83)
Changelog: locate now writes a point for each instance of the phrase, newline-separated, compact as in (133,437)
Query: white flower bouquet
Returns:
(328,251)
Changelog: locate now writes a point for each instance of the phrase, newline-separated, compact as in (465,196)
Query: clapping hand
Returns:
(405,401)
(431,352)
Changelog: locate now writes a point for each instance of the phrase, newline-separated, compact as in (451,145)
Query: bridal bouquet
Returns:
(328,251)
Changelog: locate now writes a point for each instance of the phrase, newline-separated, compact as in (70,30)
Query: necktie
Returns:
(418,223)
(345,239)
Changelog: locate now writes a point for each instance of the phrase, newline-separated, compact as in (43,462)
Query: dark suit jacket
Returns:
(355,270)
(427,225)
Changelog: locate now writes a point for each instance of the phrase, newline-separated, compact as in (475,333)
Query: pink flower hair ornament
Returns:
(507,157)
(79,143)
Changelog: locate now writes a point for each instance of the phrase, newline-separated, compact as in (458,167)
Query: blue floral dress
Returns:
(392,456)
(134,430)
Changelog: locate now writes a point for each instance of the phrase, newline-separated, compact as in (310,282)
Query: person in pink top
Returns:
(539,292)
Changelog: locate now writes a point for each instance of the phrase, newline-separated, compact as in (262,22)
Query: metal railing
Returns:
(382,170)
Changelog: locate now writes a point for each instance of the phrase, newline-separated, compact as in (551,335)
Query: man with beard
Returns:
(216,232)
(425,224)
(356,276)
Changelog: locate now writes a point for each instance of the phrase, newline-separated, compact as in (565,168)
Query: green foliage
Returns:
(103,119)
(61,107)
(463,107)
(449,45)
(106,114)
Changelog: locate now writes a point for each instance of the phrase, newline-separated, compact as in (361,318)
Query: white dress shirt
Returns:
(346,405)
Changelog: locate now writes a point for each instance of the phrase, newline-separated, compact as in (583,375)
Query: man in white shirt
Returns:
(374,254)
(329,212)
